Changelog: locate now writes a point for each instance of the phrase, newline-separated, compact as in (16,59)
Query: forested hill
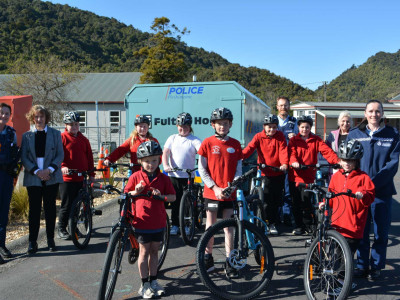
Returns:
(31,28)
(377,78)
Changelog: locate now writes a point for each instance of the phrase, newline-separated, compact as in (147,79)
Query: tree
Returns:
(163,62)
(47,79)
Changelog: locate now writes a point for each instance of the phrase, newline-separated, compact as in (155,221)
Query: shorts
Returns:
(144,238)
(215,205)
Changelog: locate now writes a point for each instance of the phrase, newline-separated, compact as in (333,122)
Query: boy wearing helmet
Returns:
(272,151)
(150,215)
(220,162)
(77,155)
(180,152)
(139,135)
(303,150)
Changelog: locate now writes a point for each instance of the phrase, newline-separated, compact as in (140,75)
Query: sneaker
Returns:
(174,230)
(187,231)
(230,271)
(374,274)
(273,230)
(5,252)
(298,231)
(209,262)
(63,234)
(157,288)
(360,273)
(146,291)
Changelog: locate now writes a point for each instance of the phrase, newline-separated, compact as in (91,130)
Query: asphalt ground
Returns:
(70,273)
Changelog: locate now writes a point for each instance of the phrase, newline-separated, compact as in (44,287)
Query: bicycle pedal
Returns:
(308,243)
(98,212)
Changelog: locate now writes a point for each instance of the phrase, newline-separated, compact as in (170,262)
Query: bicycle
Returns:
(122,234)
(252,254)
(328,267)
(80,223)
(191,209)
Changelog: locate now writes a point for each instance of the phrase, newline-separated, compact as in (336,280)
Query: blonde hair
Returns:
(134,136)
(30,116)
(344,114)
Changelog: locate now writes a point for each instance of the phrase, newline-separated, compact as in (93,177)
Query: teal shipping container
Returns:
(164,101)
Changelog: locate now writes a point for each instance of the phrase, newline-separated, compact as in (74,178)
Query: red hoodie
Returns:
(349,214)
(271,151)
(305,152)
(77,155)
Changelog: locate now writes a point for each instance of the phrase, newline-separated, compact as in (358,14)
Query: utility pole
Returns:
(325,82)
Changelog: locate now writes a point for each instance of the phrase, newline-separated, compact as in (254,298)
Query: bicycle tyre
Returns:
(164,246)
(239,288)
(80,222)
(111,267)
(187,217)
(321,276)
(200,210)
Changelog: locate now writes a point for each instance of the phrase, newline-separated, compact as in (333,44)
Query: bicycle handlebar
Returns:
(228,191)
(318,166)
(262,166)
(182,170)
(109,187)
(84,173)
(116,165)
(328,195)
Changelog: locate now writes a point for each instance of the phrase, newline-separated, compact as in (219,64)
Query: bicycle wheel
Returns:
(80,222)
(162,252)
(328,269)
(112,266)
(187,218)
(200,210)
(252,278)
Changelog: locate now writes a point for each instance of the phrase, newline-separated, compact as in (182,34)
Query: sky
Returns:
(306,41)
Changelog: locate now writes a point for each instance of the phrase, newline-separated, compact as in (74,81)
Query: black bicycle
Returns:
(250,251)
(122,235)
(80,223)
(328,268)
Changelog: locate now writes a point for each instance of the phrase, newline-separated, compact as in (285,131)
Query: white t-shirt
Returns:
(183,153)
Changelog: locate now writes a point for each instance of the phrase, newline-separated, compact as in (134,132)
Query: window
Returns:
(82,120)
(115,118)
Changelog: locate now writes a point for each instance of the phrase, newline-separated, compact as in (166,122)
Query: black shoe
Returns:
(230,271)
(52,245)
(5,252)
(360,273)
(2,261)
(63,234)
(209,262)
(32,248)
(374,274)
(298,231)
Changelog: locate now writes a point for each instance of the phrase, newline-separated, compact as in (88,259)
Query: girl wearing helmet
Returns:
(180,151)
(150,215)
(139,135)
(303,150)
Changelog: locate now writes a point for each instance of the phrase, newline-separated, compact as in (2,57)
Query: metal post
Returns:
(98,126)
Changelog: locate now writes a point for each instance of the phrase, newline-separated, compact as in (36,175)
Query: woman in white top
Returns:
(180,152)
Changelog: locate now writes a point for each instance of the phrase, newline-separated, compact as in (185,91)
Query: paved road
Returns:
(73,274)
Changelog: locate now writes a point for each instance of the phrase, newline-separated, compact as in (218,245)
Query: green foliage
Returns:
(19,207)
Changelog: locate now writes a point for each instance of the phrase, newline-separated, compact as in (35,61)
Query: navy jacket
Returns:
(381,157)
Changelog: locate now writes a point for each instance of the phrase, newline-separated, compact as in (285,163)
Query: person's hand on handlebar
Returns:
(359,195)
(155,192)
(296,165)
(167,168)
(106,162)
(64,170)
(283,168)
(218,192)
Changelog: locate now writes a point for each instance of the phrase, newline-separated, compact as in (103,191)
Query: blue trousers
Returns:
(6,188)
(375,256)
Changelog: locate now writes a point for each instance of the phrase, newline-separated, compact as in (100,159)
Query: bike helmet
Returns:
(221,113)
(149,148)
(142,119)
(71,117)
(306,119)
(184,119)
(351,149)
(271,119)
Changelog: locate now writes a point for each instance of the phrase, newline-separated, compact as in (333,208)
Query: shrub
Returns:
(19,208)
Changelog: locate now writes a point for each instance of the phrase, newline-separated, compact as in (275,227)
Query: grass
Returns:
(19,207)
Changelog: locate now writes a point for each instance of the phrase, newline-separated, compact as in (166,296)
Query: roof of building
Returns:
(339,106)
(395,99)
(101,87)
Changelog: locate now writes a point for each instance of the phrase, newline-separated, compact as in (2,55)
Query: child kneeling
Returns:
(150,215)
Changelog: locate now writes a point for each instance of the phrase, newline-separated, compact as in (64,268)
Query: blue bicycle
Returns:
(247,249)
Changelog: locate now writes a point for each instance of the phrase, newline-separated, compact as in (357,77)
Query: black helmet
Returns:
(142,119)
(71,117)
(271,119)
(306,119)
(149,148)
(221,113)
(351,149)
(184,119)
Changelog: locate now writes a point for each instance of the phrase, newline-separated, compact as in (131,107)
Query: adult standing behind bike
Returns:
(272,150)
(180,152)
(336,137)
(8,159)
(77,155)
(380,161)
(139,135)
(41,154)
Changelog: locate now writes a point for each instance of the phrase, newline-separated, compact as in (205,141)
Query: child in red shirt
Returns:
(77,155)
(150,215)
(303,150)
(272,151)
(220,162)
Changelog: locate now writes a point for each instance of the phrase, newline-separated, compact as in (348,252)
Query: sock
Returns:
(152,278)
(144,280)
